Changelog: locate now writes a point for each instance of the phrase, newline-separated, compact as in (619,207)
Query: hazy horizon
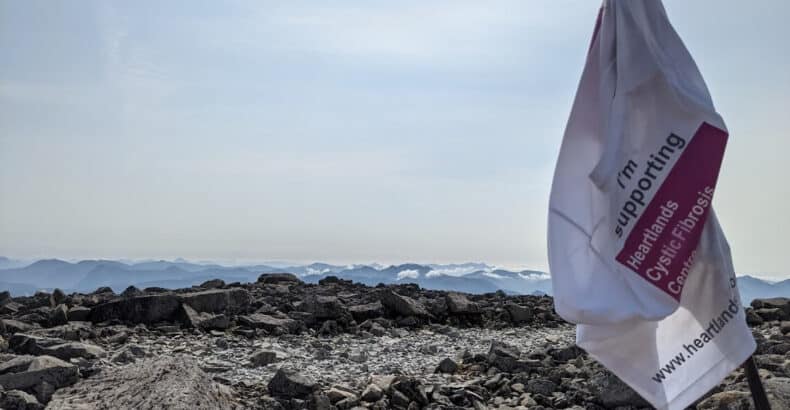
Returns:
(342,133)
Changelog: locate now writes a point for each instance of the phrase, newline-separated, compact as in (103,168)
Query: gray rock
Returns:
(411,388)
(541,386)
(339,393)
(70,350)
(15,326)
(399,400)
(279,278)
(128,354)
(140,309)
(324,307)
(36,345)
(402,305)
(770,313)
(358,357)
(235,300)
(447,366)
(566,353)
(131,292)
(518,313)
(372,393)
(103,290)
(288,383)
(27,372)
(263,358)
(18,400)
(5,296)
(78,314)
(376,329)
(503,356)
(206,321)
(753,319)
(213,284)
(174,382)
(269,323)
(59,315)
(57,297)
(367,311)
(780,303)
(778,390)
(727,400)
(9,307)
(459,304)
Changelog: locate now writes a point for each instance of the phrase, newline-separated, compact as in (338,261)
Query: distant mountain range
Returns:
(88,275)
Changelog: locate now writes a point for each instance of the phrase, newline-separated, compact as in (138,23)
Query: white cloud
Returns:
(313,271)
(535,276)
(493,275)
(408,274)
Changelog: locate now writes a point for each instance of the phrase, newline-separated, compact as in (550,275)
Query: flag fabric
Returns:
(637,255)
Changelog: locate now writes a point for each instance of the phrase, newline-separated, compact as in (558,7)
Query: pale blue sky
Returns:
(344,132)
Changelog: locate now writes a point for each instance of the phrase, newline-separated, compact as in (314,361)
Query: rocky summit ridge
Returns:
(280,343)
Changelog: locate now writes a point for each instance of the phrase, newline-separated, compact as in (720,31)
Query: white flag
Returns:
(637,256)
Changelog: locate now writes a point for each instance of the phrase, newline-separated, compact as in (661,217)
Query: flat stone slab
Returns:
(174,382)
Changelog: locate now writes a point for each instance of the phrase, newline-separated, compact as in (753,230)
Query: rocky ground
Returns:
(283,344)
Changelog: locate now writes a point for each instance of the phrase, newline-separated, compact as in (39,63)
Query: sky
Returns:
(343,132)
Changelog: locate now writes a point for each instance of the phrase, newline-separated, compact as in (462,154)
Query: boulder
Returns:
(324,307)
(503,356)
(78,314)
(9,307)
(753,319)
(360,313)
(19,400)
(59,315)
(235,300)
(206,321)
(769,314)
(372,393)
(780,303)
(140,309)
(128,354)
(31,373)
(402,305)
(70,350)
(279,278)
(74,331)
(15,326)
(567,353)
(460,304)
(288,383)
(131,292)
(518,313)
(412,389)
(541,386)
(269,323)
(35,345)
(57,297)
(263,357)
(213,284)
(447,365)
(338,393)
(171,382)
(5,297)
